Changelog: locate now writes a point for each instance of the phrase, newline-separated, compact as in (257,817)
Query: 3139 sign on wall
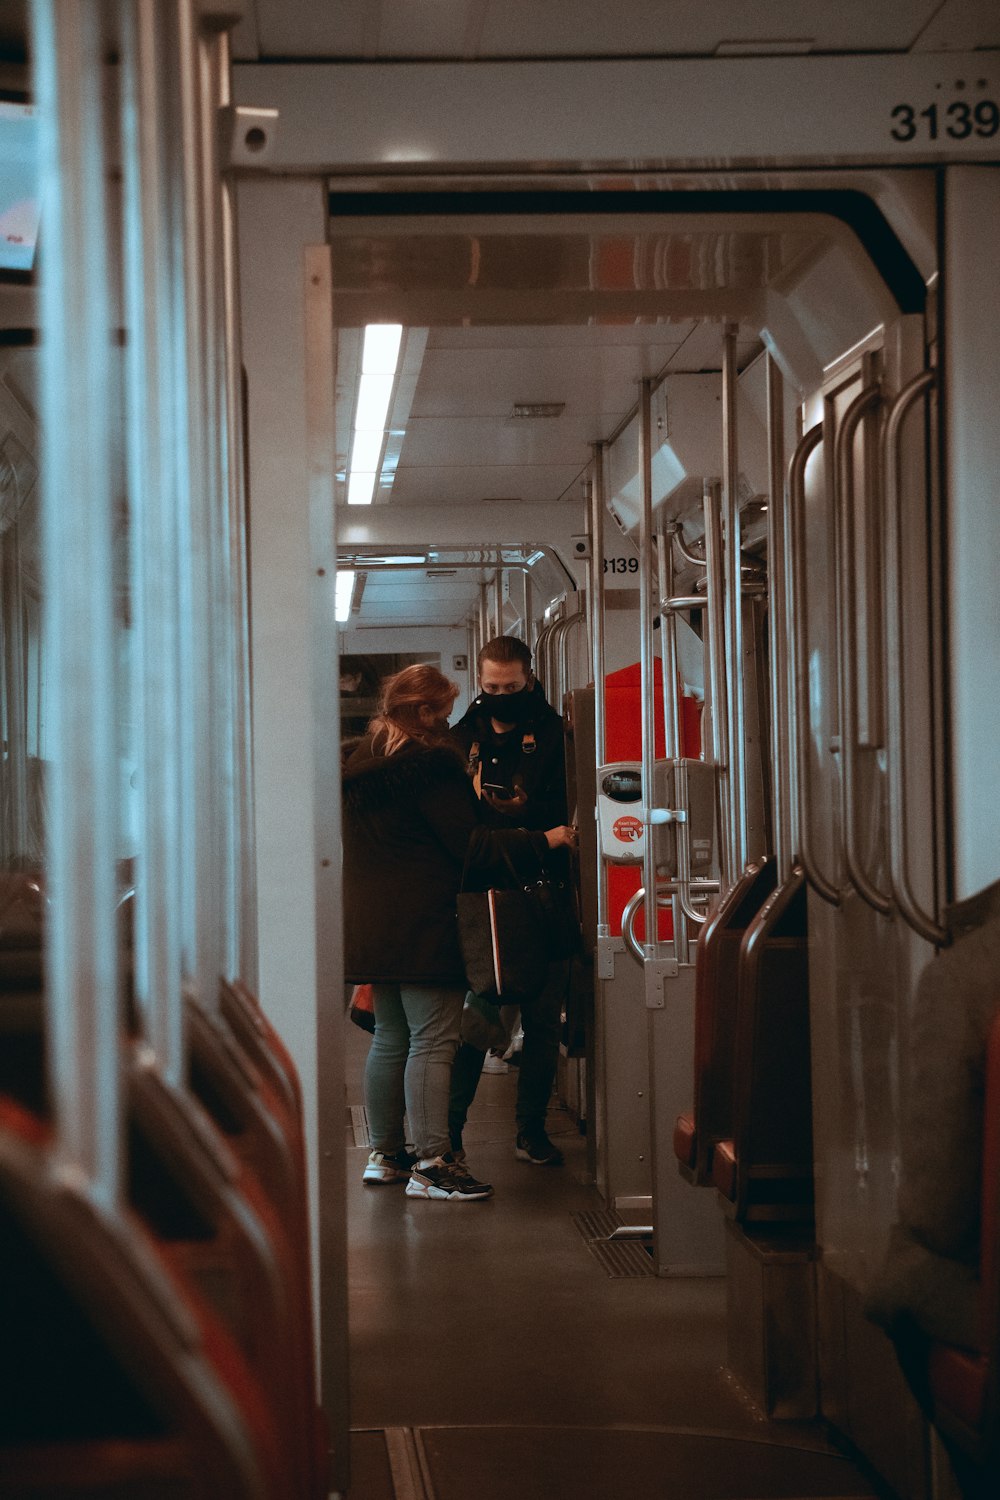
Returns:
(621,567)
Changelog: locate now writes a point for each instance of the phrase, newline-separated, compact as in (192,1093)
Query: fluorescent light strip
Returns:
(379,356)
(344,595)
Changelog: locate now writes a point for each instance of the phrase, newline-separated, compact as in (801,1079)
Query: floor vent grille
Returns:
(359,1124)
(615,1257)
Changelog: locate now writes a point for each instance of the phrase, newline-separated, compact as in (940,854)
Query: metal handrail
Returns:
(596,605)
(638,897)
(683,601)
(777,619)
(909,907)
(717,671)
(676,532)
(795,500)
(672,738)
(847,675)
(573,623)
(541,658)
(736,700)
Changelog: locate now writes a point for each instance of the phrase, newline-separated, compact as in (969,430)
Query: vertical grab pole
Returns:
(597,642)
(734,605)
(650,943)
(78,508)
(152,478)
(498,601)
(672,739)
(243,940)
(484,615)
(781,757)
(715,572)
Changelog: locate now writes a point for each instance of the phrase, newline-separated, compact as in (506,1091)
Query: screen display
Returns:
(18,185)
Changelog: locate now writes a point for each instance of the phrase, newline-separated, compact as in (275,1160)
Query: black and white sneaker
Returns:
(382,1168)
(444,1177)
(535,1146)
(460,1168)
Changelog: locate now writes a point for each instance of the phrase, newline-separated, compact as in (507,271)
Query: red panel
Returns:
(623,741)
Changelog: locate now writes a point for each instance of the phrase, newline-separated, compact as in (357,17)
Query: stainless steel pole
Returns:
(715,579)
(778,620)
(78,513)
(734,604)
(646,666)
(597,639)
(671,732)
(151,449)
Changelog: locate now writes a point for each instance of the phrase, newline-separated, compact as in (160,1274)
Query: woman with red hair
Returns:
(411,821)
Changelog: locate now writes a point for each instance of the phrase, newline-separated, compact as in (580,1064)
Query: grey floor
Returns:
(494,1357)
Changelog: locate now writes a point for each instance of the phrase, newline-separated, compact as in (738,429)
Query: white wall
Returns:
(446,643)
(276,219)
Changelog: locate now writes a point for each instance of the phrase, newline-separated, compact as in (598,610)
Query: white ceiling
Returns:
(479,29)
(547,338)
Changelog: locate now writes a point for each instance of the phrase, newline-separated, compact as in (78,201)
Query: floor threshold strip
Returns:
(615,1254)
(411,1478)
(359,1124)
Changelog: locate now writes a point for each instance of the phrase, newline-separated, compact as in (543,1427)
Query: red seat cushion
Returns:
(724,1169)
(685,1142)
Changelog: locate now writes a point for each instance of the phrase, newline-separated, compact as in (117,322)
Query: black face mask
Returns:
(509,708)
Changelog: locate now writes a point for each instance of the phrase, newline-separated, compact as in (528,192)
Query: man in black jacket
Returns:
(513,742)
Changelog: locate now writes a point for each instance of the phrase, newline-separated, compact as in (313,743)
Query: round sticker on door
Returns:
(627,829)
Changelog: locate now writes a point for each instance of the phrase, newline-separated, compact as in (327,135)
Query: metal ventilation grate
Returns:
(626,1257)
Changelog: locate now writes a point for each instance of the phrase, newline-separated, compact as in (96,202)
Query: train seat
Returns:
(716,967)
(220,1229)
(261,1042)
(266,1136)
(117,1376)
(764,1170)
(965,1384)
(686,1143)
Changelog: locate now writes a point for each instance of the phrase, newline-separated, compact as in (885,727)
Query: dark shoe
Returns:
(446,1178)
(460,1168)
(535,1146)
(382,1168)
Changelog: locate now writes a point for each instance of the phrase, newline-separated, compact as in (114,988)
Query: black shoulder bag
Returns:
(510,935)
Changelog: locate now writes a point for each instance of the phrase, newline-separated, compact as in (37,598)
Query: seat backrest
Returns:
(105,1344)
(716,974)
(773,1102)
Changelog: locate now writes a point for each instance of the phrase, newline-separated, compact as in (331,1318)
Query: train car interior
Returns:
(340,338)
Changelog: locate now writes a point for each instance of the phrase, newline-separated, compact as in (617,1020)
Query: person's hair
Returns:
(400,702)
(505,648)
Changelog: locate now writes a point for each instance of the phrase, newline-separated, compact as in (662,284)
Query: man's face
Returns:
(498,678)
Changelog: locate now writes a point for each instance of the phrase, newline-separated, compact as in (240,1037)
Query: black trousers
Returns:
(541,1018)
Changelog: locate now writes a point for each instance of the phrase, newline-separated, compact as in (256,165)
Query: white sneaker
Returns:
(516,1044)
(382,1168)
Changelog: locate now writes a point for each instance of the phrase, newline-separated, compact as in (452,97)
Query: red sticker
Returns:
(627,829)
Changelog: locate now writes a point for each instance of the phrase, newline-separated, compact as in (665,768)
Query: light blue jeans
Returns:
(409,1065)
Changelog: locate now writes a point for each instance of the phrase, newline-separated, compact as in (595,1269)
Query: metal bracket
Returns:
(607,947)
(655,971)
(659,815)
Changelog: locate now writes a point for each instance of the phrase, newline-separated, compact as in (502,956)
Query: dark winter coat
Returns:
(410,820)
(531,755)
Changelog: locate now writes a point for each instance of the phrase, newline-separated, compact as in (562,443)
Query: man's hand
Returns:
(561,837)
(509,805)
